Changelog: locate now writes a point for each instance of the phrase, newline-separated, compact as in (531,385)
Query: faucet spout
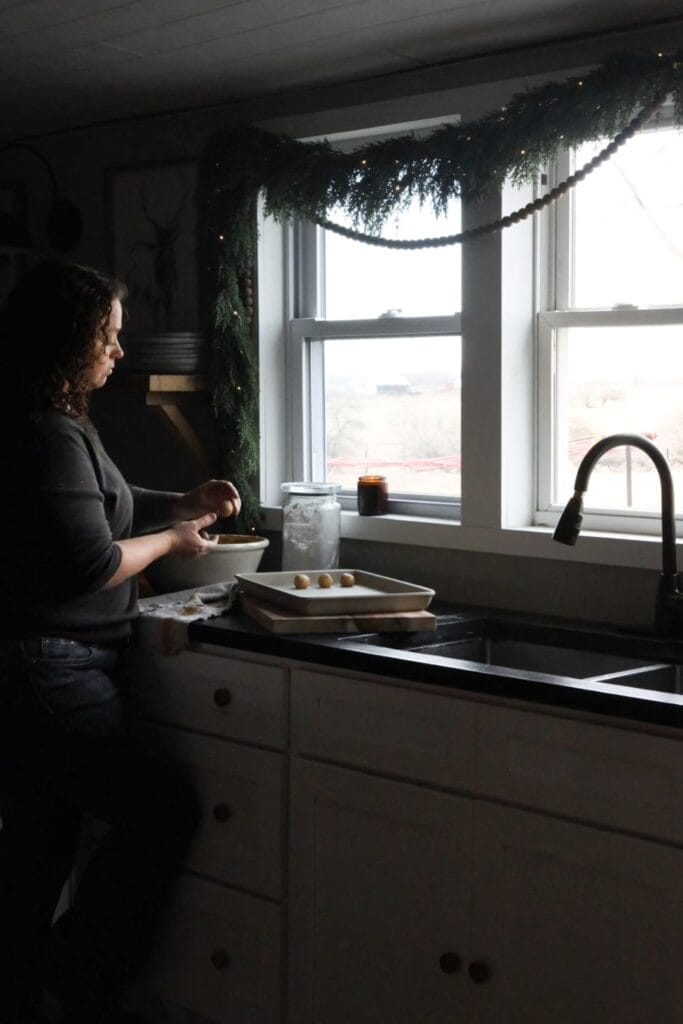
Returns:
(669,604)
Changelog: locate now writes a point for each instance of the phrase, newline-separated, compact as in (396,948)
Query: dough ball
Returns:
(301,581)
(347,579)
(325,581)
(226,509)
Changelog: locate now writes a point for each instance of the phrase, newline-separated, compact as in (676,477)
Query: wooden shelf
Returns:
(161,383)
(165,392)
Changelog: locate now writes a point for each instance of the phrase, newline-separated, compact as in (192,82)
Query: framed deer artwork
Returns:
(152,230)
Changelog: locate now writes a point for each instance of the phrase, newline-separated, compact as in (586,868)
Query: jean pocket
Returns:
(69,682)
(61,650)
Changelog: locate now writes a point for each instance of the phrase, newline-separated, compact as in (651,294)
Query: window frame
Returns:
(306,427)
(308,323)
(500,366)
(555,315)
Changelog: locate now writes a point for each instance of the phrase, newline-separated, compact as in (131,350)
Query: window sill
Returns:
(593,547)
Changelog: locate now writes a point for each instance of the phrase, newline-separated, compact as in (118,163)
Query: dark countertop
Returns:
(349,652)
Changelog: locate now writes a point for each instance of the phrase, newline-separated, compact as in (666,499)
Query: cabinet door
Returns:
(575,924)
(223,695)
(241,790)
(379,900)
(218,961)
(388,729)
(598,774)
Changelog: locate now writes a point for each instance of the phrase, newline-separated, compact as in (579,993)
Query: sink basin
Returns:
(535,657)
(533,650)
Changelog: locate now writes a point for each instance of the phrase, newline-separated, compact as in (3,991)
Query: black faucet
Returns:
(669,602)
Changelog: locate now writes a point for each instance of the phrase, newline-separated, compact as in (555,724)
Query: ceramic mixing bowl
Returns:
(233,553)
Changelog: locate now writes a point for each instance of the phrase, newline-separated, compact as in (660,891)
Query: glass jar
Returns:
(310,526)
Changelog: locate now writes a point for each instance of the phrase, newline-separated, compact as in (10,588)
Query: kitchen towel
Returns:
(162,624)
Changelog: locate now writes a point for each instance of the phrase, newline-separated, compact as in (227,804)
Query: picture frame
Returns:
(152,229)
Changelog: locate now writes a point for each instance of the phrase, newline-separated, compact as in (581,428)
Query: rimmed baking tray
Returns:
(370,592)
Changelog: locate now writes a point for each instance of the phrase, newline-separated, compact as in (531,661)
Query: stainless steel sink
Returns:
(533,650)
(536,657)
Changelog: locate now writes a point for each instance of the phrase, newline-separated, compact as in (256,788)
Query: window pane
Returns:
(628,241)
(364,281)
(392,406)
(622,380)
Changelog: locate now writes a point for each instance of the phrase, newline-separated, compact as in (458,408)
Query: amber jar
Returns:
(373,496)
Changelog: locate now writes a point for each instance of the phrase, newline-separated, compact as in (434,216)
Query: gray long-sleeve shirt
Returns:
(63,505)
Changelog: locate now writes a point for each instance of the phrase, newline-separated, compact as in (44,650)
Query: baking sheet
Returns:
(370,592)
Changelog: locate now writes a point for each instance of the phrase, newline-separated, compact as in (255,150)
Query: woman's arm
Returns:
(184,539)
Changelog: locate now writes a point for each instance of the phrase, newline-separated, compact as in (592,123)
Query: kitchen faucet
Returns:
(669,601)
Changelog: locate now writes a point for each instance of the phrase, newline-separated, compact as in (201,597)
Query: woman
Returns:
(73,538)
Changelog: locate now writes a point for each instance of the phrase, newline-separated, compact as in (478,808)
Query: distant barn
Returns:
(394,386)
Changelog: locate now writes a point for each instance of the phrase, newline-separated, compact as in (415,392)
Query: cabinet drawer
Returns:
(231,697)
(219,958)
(596,773)
(240,839)
(421,736)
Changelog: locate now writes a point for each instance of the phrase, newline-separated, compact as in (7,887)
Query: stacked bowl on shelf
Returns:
(169,352)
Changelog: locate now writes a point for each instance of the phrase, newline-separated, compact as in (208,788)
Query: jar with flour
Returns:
(310,526)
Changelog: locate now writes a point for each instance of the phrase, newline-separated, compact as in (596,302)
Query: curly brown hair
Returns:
(51,327)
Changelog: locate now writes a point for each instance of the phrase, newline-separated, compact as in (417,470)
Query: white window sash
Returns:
(306,400)
(557,314)
(552,329)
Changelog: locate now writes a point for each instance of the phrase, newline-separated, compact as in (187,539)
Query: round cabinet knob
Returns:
(220,959)
(479,971)
(222,697)
(222,812)
(449,963)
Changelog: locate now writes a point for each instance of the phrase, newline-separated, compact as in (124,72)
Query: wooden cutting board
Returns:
(277,620)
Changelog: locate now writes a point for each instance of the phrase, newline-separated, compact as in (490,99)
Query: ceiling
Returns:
(71,63)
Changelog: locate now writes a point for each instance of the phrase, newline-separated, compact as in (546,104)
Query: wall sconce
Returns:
(64,221)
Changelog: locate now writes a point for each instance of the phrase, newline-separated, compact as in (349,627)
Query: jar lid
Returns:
(304,487)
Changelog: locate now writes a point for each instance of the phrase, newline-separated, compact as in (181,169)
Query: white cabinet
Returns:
(574,924)
(220,957)
(389,729)
(223,695)
(410,903)
(410,855)
(240,791)
(219,960)
(617,777)
(379,900)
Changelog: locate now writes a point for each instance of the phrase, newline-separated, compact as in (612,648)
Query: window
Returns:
(375,362)
(474,377)
(611,334)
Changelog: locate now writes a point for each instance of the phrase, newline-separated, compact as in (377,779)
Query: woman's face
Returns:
(108,350)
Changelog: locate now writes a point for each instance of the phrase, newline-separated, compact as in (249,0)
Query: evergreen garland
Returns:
(372,182)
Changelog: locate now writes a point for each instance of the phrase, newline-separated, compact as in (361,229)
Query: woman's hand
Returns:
(188,539)
(218,496)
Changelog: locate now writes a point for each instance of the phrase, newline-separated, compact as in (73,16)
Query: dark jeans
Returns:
(66,748)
